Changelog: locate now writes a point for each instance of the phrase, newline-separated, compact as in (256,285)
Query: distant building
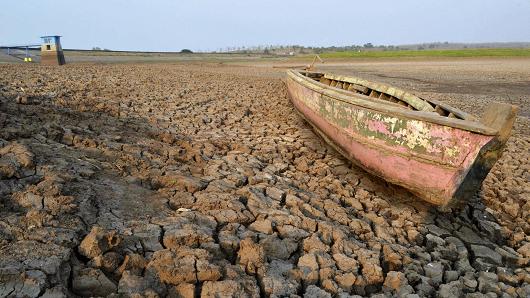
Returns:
(52,51)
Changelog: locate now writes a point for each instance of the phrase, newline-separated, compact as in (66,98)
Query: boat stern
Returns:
(498,116)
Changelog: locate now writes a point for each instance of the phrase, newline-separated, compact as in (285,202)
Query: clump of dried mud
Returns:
(201,180)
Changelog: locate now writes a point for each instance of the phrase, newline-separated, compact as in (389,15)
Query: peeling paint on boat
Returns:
(441,143)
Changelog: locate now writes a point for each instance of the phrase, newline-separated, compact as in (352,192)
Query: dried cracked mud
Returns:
(191,180)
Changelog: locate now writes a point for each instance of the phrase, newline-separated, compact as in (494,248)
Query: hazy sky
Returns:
(166,25)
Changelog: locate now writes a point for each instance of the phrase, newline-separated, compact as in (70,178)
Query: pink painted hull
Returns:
(440,164)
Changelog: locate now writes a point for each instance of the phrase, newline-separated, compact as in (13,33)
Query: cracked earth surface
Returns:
(193,180)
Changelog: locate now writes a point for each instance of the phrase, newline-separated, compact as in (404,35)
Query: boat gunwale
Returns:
(354,99)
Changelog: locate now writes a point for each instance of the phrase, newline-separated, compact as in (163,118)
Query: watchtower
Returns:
(51,50)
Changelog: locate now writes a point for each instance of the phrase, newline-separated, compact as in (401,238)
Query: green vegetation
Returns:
(429,53)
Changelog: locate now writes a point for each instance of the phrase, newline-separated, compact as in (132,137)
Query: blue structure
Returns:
(51,50)
(51,40)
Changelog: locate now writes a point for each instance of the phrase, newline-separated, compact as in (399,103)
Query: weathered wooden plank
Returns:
(393,99)
(500,116)
(359,88)
(413,100)
(325,81)
(440,111)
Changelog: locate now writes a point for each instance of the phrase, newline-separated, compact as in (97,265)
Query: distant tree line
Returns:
(99,49)
(298,49)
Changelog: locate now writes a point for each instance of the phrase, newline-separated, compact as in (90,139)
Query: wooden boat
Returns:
(439,153)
